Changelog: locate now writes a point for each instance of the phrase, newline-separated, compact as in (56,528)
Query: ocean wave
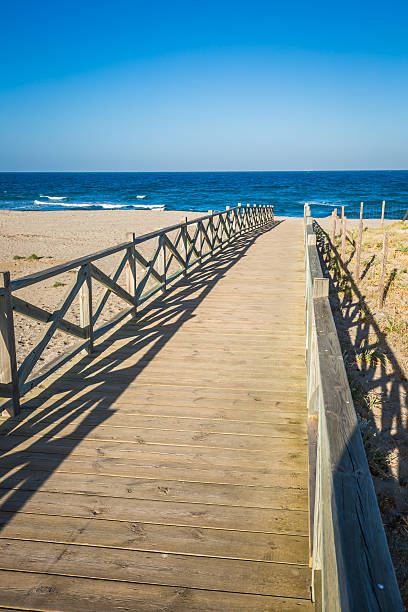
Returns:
(53,197)
(151,206)
(108,205)
(140,197)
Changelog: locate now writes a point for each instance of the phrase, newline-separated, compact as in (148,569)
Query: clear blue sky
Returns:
(183,85)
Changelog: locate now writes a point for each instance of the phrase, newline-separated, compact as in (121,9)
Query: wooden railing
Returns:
(352,567)
(194,242)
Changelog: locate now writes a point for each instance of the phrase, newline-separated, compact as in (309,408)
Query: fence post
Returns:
(200,241)
(358,249)
(334,221)
(161,263)
(183,230)
(272,213)
(211,228)
(382,213)
(85,309)
(8,360)
(343,238)
(239,215)
(131,269)
(383,271)
(228,224)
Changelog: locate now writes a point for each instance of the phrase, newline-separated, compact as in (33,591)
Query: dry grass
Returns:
(392,318)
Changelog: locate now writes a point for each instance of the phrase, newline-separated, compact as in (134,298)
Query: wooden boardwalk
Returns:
(169,472)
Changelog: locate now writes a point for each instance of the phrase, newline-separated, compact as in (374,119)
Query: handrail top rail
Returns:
(31,279)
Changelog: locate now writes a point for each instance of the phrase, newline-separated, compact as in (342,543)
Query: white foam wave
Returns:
(151,206)
(112,205)
(140,197)
(53,197)
(104,205)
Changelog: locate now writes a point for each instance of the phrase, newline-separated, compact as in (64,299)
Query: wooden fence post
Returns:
(8,360)
(227,223)
(358,250)
(211,228)
(343,238)
(382,213)
(383,271)
(361,210)
(334,221)
(239,215)
(131,284)
(161,262)
(183,230)
(342,212)
(85,309)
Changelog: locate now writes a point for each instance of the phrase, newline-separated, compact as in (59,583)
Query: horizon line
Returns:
(195,171)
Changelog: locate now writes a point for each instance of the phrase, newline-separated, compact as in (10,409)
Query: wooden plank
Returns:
(226,457)
(131,420)
(125,535)
(141,488)
(159,512)
(156,466)
(286,443)
(43,592)
(155,568)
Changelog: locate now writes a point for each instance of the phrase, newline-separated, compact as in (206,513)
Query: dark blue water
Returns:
(202,191)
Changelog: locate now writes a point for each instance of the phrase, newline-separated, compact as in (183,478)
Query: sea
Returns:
(203,191)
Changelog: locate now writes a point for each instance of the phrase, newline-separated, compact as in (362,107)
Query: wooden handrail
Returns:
(188,249)
(351,563)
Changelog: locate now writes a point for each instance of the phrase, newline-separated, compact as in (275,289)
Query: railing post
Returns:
(200,241)
(8,360)
(85,309)
(183,230)
(161,263)
(211,228)
(228,224)
(131,281)
(272,213)
(239,217)
(248,217)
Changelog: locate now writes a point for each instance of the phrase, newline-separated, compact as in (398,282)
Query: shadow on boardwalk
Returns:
(379,392)
(20,476)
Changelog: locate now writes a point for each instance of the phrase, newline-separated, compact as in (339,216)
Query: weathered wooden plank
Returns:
(125,535)
(129,420)
(156,466)
(50,592)
(283,441)
(155,568)
(142,488)
(164,512)
(229,457)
